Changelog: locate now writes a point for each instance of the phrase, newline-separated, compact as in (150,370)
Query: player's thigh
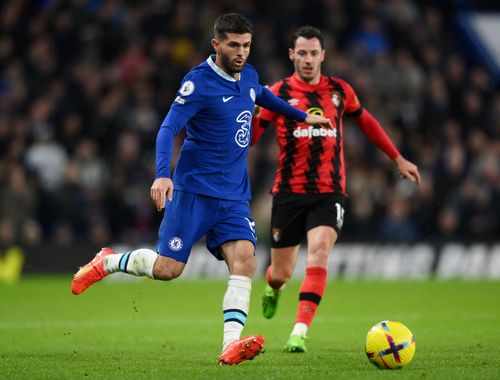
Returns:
(283,261)
(324,224)
(239,256)
(184,222)
(288,220)
(232,236)
(320,242)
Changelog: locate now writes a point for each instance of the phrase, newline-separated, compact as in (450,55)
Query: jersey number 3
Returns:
(242,136)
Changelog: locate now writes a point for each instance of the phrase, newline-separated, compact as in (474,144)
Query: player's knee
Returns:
(318,257)
(322,252)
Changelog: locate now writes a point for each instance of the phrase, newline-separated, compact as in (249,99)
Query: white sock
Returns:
(299,329)
(139,262)
(235,306)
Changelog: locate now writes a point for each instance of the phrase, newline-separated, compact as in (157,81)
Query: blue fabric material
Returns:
(216,111)
(190,216)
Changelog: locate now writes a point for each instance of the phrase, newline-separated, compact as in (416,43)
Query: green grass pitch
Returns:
(157,330)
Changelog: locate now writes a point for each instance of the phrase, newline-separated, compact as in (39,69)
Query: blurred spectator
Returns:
(91,169)
(31,234)
(448,223)
(18,200)
(369,40)
(7,234)
(398,225)
(47,158)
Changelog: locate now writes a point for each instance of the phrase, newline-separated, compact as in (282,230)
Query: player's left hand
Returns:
(407,169)
(317,120)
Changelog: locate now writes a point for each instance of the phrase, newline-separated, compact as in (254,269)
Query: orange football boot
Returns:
(91,272)
(246,348)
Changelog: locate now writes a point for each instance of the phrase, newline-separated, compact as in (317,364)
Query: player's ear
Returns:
(290,54)
(215,45)
(322,55)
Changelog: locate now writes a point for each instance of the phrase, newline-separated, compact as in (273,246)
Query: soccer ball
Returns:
(390,345)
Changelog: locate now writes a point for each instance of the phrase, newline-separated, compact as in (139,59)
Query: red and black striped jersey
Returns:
(311,158)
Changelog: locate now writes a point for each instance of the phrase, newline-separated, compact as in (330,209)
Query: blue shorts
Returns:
(190,216)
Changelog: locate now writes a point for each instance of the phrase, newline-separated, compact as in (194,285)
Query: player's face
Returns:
(232,52)
(307,56)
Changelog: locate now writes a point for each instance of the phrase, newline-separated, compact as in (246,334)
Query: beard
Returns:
(228,65)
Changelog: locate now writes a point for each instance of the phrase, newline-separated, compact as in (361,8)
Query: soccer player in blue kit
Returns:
(215,104)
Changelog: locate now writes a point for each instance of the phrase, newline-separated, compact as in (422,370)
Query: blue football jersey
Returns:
(217,112)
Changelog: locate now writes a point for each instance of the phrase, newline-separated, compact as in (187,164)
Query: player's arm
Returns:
(376,134)
(262,118)
(188,102)
(268,100)
(163,186)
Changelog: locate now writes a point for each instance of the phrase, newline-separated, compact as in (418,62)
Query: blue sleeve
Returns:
(174,122)
(191,95)
(187,104)
(267,99)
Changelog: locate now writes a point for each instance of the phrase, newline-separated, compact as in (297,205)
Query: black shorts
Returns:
(293,215)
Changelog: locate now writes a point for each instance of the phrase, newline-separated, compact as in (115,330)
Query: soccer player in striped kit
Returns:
(215,104)
(309,186)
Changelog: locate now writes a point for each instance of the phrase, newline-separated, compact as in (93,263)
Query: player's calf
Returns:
(166,268)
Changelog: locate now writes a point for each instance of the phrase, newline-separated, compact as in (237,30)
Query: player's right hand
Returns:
(160,190)
(407,169)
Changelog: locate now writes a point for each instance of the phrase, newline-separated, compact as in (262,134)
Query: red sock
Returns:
(273,284)
(313,288)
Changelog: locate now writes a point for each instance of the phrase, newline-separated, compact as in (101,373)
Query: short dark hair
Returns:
(231,23)
(308,32)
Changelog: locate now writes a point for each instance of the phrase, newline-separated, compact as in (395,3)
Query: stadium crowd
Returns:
(84,86)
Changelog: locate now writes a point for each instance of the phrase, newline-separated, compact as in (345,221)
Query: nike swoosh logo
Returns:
(225,100)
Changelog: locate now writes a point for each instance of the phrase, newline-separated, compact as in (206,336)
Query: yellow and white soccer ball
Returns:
(390,345)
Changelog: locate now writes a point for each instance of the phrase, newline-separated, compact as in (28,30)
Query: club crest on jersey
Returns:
(187,88)
(252,94)
(175,243)
(276,234)
(336,98)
